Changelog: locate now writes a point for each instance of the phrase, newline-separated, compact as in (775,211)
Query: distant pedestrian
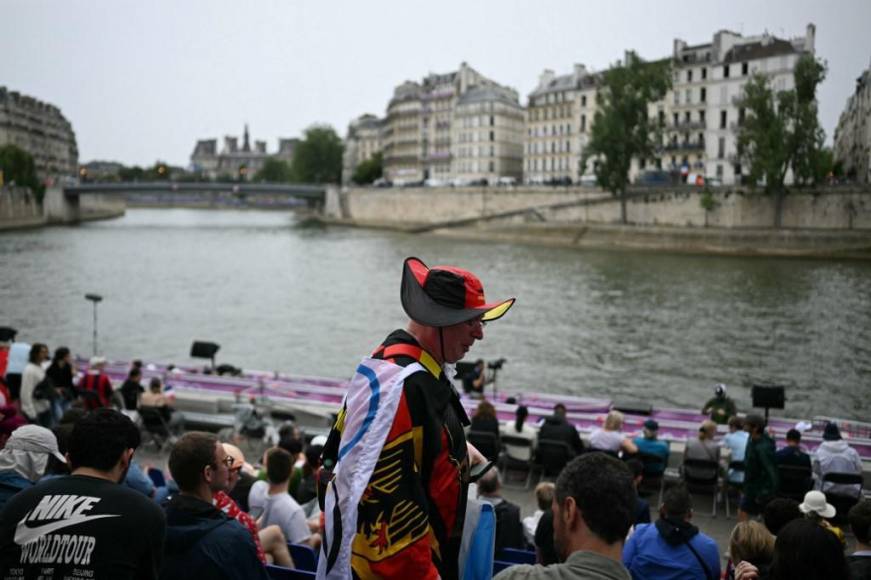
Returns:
(61,373)
(35,396)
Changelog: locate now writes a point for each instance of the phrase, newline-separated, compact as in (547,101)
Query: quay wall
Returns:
(19,209)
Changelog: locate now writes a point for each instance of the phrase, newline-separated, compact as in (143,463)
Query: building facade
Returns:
(363,141)
(234,162)
(40,129)
(423,128)
(852,144)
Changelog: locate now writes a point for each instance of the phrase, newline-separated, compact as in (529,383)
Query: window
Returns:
(661,118)
(704,73)
(568,146)
(583,100)
(689,96)
(642,163)
(492,167)
(723,119)
(745,69)
(701,140)
(720,171)
(676,119)
(686,117)
(583,123)
(721,148)
(702,116)
(677,98)
(689,76)
(726,71)
(741,114)
(703,94)
(492,136)
(492,121)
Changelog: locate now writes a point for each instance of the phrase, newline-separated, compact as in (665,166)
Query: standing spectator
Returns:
(473,380)
(19,353)
(672,548)
(557,428)
(736,442)
(106,530)
(592,512)
(280,508)
(649,444)
(720,408)
(760,473)
(779,512)
(543,500)
(95,387)
(792,453)
(36,402)
(860,522)
(132,389)
(835,456)
(25,459)
(704,447)
(61,372)
(509,530)
(609,438)
(200,538)
(751,542)
(519,428)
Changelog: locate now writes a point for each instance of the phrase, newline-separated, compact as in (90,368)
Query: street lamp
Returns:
(95,298)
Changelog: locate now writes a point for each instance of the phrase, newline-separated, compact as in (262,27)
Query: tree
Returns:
(274,171)
(18,167)
(318,157)
(369,170)
(781,132)
(621,128)
(133,173)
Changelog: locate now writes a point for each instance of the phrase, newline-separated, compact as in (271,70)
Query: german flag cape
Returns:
(369,409)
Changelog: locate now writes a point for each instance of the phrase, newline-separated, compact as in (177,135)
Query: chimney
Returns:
(580,71)
(230,144)
(545,78)
(679,45)
(810,38)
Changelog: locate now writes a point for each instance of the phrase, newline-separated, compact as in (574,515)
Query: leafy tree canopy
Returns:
(369,170)
(18,168)
(318,157)
(275,171)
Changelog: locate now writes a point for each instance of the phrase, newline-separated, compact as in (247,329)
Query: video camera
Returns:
(496,364)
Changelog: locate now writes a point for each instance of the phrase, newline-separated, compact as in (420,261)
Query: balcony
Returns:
(686,146)
(688,125)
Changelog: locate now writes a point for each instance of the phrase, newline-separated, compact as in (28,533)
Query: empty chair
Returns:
(702,475)
(795,481)
(507,462)
(304,557)
(551,456)
(486,442)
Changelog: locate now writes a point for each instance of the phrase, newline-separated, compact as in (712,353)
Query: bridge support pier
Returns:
(60,208)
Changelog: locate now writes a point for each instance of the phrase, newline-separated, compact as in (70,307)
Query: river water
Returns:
(622,325)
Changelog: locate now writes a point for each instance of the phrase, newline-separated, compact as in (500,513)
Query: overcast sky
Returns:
(143,80)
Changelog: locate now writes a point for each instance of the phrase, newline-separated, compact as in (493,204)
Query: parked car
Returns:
(507,181)
(435,182)
(382,182)
(589,180)
(653,178)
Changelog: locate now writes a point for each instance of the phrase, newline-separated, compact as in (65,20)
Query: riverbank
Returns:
(19,209)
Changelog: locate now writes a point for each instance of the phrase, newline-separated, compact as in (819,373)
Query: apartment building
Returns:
(40,129)
(364,139)
(421,132)
(852,144)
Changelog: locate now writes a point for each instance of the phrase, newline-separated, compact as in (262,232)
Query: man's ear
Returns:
(126,458)
(570,513)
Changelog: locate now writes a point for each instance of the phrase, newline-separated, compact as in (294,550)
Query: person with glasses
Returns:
(200,538)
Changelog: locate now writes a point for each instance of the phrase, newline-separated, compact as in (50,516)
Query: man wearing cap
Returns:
(720,407)
(25,459)
(835,456)
(650,445)
(395,506)
(85,525)
(761,478)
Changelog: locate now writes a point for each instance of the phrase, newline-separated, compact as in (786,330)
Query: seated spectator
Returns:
(704,447)
(200,538)
(25,459)
(557,428)
(805,550)
(485,419)
(642,507)
(35,399)
(473,381)
(835,456)
(672,547)
(509,530)
(305,488)
(156,398)
(650,445)
(592,512)
(792,453)
(816,508)
(278,507)
(751,542)
(519,428)
(543,501)
(269,541)
(95,388)
(720,408)
(779,512)
(132,389)
(736,442)
(85,525)
(860,522)
(609,438)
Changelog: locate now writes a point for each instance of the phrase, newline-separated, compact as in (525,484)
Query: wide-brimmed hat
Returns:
(34,438)
(445,295)
(815,501)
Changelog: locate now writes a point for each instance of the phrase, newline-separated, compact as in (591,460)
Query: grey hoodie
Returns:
(578,566)
(836,457)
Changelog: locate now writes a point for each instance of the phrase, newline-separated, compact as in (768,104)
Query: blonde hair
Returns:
(707,430)
(614,421)
(544,495)
(752,542)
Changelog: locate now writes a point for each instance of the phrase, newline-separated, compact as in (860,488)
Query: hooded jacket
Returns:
(837,457)
(662,551)
(558,429)
(200,538)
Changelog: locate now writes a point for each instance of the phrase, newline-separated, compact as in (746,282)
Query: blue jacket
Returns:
(202,541)
(10,484)
(659,551)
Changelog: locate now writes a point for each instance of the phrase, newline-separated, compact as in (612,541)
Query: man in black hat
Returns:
(405,506)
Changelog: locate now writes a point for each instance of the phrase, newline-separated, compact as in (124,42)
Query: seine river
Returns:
(623,325)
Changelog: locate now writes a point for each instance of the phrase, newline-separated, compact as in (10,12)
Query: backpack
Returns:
(44,390)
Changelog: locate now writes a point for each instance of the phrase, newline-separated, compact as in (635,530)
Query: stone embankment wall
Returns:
(19,209)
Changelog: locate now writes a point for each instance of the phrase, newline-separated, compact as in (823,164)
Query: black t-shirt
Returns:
(130,391)
(81,527)
(544,539)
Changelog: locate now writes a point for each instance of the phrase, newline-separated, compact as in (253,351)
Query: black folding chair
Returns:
(304,557)
(842,502)
(509,463)
(795,481)
(703,475)
(155,426)
(551,456)
(486,442)
(654,471)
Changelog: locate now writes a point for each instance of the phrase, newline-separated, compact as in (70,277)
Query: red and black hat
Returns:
(445,295)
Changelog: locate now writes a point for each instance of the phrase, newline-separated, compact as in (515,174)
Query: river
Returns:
(655,327)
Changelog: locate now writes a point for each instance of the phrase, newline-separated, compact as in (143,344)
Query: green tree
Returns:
(369,170)
(18,167)
(621,128)
(274,171)
(318,157)
(781,131)
(133,173)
